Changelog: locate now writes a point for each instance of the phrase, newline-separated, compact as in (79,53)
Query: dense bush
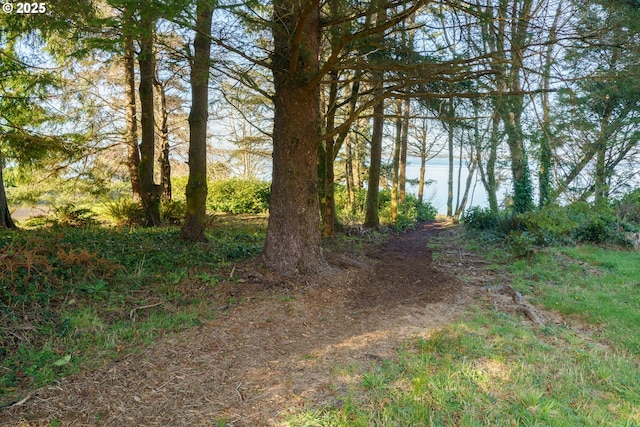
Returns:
(628,208)
(553,224)
(237,196)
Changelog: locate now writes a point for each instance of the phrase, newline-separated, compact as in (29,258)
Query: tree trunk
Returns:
(131,135)
(372,218)
(450,177)
(293,235)
(396,163)
(404,144)
(163,128)
(492,182)
(601,190)
(522,189)
(5,216)
(546,146)
(149,189)
(196,216)
(328,175)
(348,172)
(463,203)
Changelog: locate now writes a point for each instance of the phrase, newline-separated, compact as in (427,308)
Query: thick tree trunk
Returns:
(149,189)
(5,216)
(372,217)
(293,235)
(195,219)
(522,188)
(131,136)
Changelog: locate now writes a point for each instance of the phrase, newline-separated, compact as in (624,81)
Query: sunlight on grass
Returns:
(496,369)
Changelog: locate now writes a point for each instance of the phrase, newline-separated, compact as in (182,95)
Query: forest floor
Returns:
(288,344)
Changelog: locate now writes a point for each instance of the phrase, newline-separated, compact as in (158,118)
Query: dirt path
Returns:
(291,345)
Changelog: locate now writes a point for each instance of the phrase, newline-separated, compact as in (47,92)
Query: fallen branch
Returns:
(18,403)
(132,313)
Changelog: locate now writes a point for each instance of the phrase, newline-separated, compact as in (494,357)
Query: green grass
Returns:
(73,297)
(596,285)
(497,369)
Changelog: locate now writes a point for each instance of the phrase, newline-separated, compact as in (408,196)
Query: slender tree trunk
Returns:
(5,216)
(131,135)
(402,170)
(396,163)
(423,169)
(348,172)
(423,163)
(372,218)
(450,178)
(467,187)
(148,187)
(163,129)
(196,216)
(328,175)
(492,187)
(459,182)
(293,235)
(357,171)
(546,148)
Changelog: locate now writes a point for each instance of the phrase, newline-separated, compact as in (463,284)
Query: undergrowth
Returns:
(71,296)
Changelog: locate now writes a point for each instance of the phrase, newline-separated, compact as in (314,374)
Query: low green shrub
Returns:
(477,218)
(238,196)
(551,225)
(173,211)
(125,212)
(521,243)
(597,228)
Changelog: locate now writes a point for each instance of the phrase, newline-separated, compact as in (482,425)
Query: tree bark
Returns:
(131,133)
(546,145)
(328,175)
(195,220)
(149,189)
(396,163)
(293,243)
(404,145)
(5,216)
(163,137)
(450,135)
(372,217)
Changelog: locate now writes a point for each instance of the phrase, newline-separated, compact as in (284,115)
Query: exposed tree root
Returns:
(521,305)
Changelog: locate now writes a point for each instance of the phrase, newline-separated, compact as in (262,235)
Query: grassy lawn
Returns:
(73,297)
(497,369)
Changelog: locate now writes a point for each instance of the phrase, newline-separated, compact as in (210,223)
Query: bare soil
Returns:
(291,343)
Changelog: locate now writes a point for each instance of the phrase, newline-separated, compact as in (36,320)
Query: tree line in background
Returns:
(540,95)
